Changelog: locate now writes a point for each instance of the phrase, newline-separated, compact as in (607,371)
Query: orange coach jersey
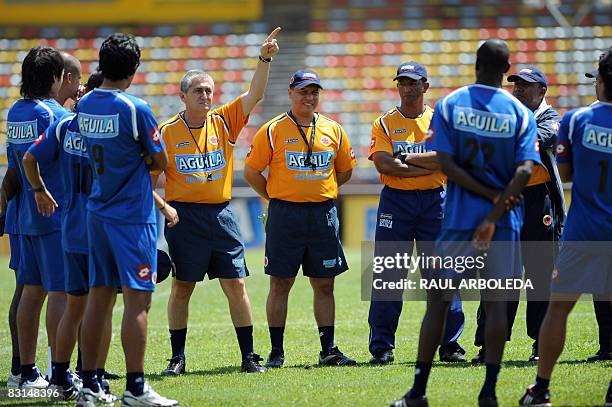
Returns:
(539,175)
(279,145)
(393,132)
(202,172)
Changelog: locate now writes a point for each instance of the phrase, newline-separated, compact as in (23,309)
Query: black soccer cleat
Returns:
(333,357)
(276,358)
(452,353)
(111,376)
(599,356)
(532,398)
(383,358)
(488,402)
(609,396)
(480,358)
(176,366)
(408,402)
(250,364)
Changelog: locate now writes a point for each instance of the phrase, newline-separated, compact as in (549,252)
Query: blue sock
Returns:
(245,339)
(90,380)
(27,371)
(277,334)
(488,388)
(326,336)
(541,384)
(135,383)
(421,375)
(15,366)
(178,337)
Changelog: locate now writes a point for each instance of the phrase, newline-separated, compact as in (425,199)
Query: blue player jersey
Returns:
(63,141)
(118,130)
(11,224)
(585,141)
(27,119)
(488,132)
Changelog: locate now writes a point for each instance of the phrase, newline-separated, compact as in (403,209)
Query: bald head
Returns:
(71,64)
(72,79)
(493,56)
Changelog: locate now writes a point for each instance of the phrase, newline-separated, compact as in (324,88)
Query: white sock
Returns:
(49,369)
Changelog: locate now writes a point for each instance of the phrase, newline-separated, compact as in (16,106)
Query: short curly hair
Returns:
(41,67)
(605,71)
(119,56)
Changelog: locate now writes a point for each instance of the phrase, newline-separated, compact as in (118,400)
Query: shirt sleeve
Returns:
(9,156)
(563,147)
(346,160)
(148,131)
(380,139)
(47,146)
(260,152)
(528,146)
(439,133)
(233,117)
(547,132)
(157,173)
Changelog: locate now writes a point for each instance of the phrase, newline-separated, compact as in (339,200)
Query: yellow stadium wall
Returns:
(100,12)
(359,218)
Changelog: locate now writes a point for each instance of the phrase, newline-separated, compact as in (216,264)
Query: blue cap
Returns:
(592,74)
(412,70)
(530,74)
(303,78)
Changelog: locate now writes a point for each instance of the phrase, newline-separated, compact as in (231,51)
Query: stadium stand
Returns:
(355,45)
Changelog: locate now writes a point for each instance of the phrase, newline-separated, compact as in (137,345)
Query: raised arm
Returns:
(258,84)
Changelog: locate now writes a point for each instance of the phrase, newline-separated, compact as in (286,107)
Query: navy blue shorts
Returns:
(501,261)
(122,254)
(15,245)
(579,271)
(303,234)
(41,261)
(207,240)
(76,273)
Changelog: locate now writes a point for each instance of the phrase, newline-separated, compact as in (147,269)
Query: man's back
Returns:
(585,141)
(63,144)
(27,120)
(119,130)
(488,132)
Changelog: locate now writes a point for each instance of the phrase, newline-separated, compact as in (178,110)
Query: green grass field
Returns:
(213,358)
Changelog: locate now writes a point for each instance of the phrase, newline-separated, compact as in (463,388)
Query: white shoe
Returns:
(87,398)
(148,398)
(12,382)
(38,383)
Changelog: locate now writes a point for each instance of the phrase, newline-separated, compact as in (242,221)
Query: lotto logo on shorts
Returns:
(555,275)
(144,272)
(562,150)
